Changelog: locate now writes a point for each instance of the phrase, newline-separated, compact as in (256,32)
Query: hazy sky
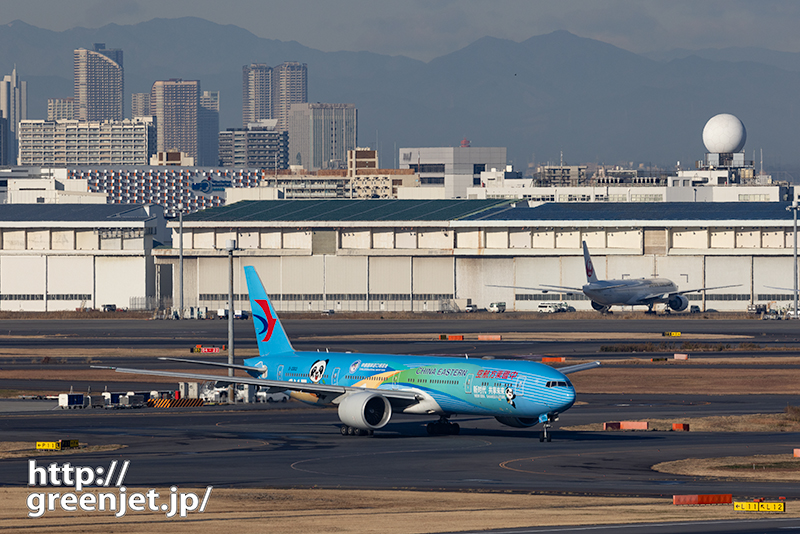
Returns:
(424,29)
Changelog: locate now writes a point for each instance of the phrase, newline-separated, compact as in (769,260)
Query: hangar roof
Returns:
(497,210)
(36,213)
(638,211)
(347,210)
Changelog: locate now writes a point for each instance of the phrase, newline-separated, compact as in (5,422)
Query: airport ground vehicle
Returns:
(497,307)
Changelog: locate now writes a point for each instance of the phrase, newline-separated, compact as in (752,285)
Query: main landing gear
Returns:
(352,431)
(443,427)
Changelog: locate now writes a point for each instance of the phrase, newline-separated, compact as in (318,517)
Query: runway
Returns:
(297,446)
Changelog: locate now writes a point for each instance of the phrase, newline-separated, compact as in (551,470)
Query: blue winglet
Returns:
(270,334)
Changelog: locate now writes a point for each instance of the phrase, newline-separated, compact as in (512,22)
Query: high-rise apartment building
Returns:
(260,145)
(14,108)
(60,109)
(66,143)
(208,129)
(256,93)
(289,86)
(269,92)
(321,134)
(140,105)
(99,84)
(174,103)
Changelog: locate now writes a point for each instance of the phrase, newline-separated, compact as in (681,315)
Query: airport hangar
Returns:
(400,255)
(57,257)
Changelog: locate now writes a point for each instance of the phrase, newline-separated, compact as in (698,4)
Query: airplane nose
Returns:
(569,399)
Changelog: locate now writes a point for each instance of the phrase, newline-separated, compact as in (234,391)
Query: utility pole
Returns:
(794,207)
(230,246)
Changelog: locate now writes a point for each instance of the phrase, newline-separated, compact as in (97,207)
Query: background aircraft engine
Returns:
(365,410)
(678,302)
(599,307)
(518,422)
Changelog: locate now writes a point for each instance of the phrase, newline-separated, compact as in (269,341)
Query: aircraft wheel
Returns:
(357,431)
(455,429)
(344,430)
(431,429)
(549,438)
(351,431)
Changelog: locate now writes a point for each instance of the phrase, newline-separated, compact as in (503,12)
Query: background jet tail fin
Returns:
(591,276)
(270,334)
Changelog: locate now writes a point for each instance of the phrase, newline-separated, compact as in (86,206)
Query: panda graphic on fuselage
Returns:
(510,396)
(317,370)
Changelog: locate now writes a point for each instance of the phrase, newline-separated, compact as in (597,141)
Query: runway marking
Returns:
(505,464)
(481,443)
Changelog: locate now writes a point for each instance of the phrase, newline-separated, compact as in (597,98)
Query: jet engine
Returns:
(518,422)
(678,302)
(365,410)
(599,307)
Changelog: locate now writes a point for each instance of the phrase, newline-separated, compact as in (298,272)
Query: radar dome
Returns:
(724,134)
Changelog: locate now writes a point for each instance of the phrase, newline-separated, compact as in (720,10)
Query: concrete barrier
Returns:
(681,427)
(458,337)
(553,359)
(681,356)
(634,425)
(490,337)
(722,498)
(797,453)
(626,425)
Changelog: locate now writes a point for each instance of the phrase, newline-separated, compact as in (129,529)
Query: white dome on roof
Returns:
(724,134)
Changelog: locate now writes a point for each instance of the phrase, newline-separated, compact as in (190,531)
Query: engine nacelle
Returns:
(678,302)
(518,422)
(365,410)
(599,307)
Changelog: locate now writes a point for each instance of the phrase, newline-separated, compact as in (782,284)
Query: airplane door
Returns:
(335,377)
(280,372)
(519,389)
(468,384)
(394,380)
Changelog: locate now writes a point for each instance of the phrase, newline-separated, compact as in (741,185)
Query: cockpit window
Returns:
(558,384)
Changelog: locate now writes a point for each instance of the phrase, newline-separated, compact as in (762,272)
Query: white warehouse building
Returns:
(386,255)
(62,257)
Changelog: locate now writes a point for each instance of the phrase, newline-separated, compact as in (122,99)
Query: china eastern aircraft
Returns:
(368,389)
(625,292)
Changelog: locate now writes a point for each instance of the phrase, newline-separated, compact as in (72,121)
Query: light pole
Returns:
(180,253)
(230,246)
(794,207)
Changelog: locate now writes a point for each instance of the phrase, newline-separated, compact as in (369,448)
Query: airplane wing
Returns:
(703,289)
(544,288)
(577,368)
(320,389)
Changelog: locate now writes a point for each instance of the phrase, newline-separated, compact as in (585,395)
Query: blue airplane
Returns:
(368,389)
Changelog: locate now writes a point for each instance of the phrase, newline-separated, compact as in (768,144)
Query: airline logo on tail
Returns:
(267,322)
(589,267)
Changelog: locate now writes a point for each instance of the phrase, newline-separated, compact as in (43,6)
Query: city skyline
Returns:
(592,118)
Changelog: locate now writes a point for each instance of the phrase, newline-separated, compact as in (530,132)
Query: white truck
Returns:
(497,307)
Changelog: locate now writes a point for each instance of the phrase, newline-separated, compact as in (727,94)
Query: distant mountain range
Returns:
(539,97)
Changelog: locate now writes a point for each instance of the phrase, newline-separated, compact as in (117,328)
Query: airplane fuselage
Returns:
(630,292)
(447,385)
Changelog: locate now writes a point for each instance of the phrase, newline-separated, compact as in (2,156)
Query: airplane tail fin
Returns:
(591,276)
(270,334)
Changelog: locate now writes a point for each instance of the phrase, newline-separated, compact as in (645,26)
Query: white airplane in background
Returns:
(625,292)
